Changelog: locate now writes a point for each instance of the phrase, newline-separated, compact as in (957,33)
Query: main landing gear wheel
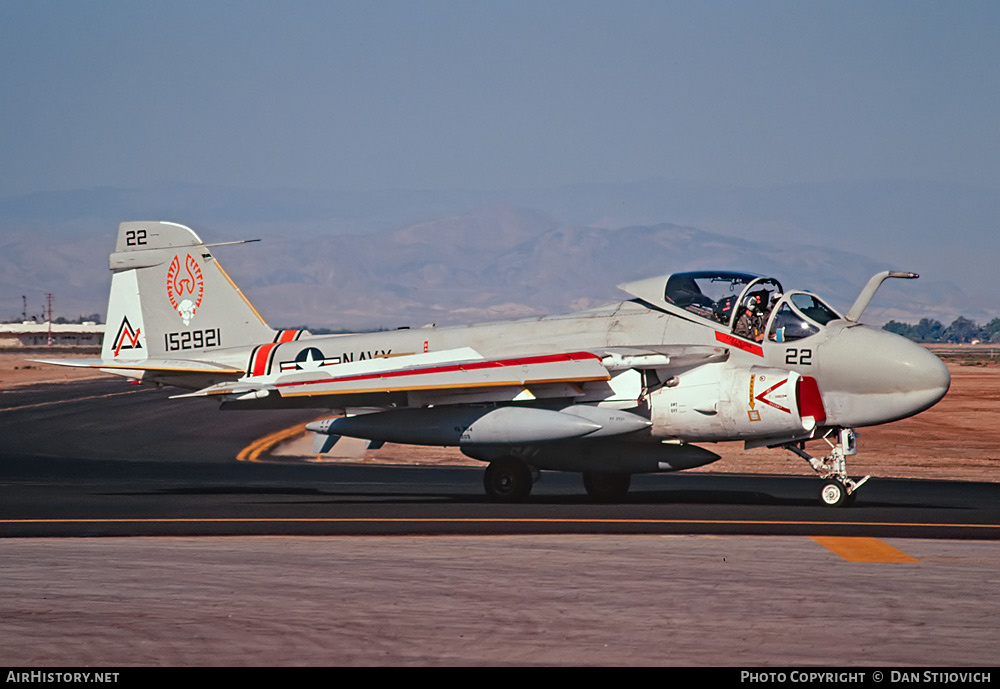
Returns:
(507,480)
(606,487)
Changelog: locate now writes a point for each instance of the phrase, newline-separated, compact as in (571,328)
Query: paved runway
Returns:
(512,600)
(668,578)
(114,459)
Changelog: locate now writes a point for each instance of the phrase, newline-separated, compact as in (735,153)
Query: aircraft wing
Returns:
(459,376)
(413,381)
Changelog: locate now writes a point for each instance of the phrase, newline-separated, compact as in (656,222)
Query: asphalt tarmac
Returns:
(694,569)
(112,459)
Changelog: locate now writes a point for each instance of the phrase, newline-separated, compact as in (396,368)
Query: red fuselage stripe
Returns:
(261,355)
(258,366)
(471,366)
(739,344)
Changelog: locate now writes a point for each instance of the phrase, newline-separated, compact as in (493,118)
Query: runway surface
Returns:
(108,458)
(694,569)
(510,600)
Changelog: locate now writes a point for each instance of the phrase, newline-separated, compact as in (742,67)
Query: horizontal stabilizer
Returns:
(161,365)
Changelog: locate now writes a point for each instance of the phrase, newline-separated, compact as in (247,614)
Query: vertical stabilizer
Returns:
(170,298)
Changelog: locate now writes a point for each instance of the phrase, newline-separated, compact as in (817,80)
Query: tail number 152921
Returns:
(192,339)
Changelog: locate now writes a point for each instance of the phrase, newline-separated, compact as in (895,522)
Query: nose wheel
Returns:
(838,488)
(834,493)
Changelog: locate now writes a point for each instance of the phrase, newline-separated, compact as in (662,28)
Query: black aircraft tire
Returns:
(833,493)
(507,480)
(606,487)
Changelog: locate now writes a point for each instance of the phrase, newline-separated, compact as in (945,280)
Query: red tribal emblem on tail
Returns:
(185,287)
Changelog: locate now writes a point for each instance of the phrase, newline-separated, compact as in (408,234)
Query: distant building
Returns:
(31,334)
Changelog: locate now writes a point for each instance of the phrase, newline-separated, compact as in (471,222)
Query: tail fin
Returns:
(170,298)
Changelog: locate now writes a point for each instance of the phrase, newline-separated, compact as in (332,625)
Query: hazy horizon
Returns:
(867,127)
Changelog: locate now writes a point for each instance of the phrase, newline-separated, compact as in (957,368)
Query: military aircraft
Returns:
(694,357)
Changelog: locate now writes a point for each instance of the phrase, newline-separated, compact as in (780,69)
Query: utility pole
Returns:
(48,298)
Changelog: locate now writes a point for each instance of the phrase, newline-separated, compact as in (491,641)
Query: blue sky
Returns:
(494,95)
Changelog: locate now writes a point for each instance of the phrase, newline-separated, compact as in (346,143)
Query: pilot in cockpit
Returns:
(752,320)
(769,301)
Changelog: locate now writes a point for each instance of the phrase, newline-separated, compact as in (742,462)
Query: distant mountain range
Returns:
(359,261)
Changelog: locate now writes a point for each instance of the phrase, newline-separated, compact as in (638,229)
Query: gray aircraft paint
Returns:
(176,318)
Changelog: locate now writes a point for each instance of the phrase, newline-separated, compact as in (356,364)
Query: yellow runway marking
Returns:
(864,549)
(253,451)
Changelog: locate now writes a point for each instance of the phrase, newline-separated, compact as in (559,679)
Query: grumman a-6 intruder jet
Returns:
(698,357)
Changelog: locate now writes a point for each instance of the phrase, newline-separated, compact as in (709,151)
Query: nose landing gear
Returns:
(838,488)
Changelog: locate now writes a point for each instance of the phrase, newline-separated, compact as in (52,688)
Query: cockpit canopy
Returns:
(714,294)
(800,315)
(749,304)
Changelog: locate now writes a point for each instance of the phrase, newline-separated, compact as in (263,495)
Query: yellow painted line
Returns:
(864,549)
(253,451)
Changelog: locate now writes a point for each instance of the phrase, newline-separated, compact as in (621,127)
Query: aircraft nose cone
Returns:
(885,377)
(935,374)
